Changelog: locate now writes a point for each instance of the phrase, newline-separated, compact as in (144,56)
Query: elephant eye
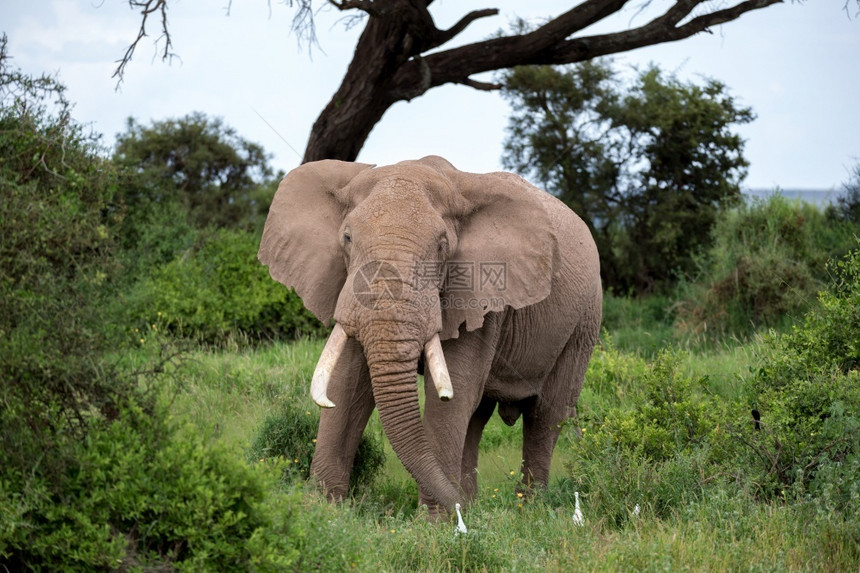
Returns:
(347,238)
(443,247)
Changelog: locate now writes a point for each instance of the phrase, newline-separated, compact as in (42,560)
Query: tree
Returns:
(398,55)
(647,165)
(848,202)
(216,174)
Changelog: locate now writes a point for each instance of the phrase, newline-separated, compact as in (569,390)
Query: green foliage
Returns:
(639,324)
(57,269)
(648,165)
(290,435)
(219,287)
(808,394)
(218,177)
(152,233)
(135,496)
(650,433)
(765,265)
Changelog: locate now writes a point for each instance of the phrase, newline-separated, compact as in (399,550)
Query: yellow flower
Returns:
(512,472)
(296,460)
(308,413)
(159,313)
(495,489)
(392,531)
(314,440)
(494,495)
(519,505)
(142,340)
(519,494)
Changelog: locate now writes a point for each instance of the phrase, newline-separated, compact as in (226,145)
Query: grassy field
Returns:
(707,524)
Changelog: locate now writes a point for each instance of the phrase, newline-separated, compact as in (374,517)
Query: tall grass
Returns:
(687,520)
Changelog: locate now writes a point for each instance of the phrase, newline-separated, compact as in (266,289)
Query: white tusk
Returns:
(330,354)
(438,369)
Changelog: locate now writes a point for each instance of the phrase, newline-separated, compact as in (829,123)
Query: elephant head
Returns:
(402,257)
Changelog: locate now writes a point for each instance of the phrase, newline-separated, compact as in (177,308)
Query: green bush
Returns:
(765,266)
(216,288)
(153,232)
(808,394)
(135,496)
(57,270)
(290,435)
(649,434)
(672,413)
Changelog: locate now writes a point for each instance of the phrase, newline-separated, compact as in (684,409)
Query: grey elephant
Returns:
(488,282)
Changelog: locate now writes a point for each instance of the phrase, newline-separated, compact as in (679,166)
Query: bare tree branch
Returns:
(148,7)
(448,34)
(364,5)
(482,86)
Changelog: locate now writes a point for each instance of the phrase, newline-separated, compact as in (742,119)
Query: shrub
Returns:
(57,270)
(133,496)
(290,435)
(808,394)
(653,440)
(219,287)
(765,265)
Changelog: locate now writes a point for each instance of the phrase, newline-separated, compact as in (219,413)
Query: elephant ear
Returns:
(506,252)
(300,240)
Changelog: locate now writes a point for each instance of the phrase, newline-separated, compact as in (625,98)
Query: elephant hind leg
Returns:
(543,416)
(469,467)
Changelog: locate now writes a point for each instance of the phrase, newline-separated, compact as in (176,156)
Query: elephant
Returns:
(487,282)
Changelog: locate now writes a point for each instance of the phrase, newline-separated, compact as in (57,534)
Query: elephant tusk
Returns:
(438,369)
(330,354)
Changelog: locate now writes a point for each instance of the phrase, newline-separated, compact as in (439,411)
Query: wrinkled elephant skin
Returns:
(491,282)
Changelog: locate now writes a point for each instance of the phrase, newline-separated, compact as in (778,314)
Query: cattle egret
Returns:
(577,513)
(461,527)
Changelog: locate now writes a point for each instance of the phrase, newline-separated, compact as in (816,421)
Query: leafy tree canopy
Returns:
(646,163)
(201,162)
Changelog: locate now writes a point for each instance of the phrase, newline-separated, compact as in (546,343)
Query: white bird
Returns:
(577,513)
(636,510)
(461,527)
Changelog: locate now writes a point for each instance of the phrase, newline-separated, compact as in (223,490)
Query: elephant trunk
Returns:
(392,358)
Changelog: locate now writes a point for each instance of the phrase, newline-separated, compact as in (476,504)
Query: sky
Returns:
(795,64)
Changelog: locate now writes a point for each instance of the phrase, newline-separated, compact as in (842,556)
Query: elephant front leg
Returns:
(454,428)
(341,427)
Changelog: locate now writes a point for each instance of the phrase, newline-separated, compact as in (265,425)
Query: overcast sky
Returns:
(797,65)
